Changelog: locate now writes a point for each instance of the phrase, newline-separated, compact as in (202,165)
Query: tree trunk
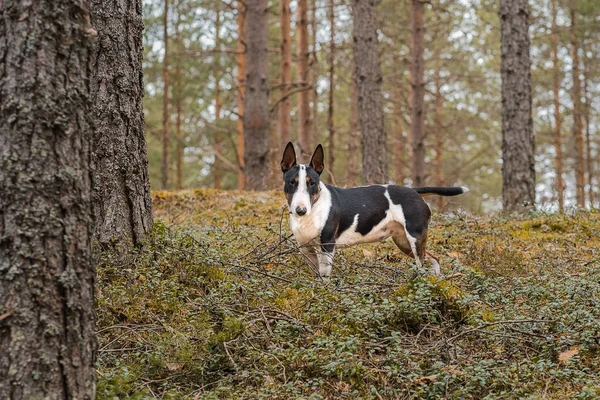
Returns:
(439,135)
(397,125)
(518,168)
(560,184)
(577,128)
(256,104)
(121,198)
(178,96)
(241,90)
(304,122)
(353,142)
(165,138)
(370,101)
(330,111)
(314,66)
(47,342)
(285,108)
(217,167)
(417,73)
(588,142)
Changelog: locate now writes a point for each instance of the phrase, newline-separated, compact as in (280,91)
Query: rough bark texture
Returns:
(417,74)
(352,175)
(47,345)
(217,166)
(256,104)
(558,162)
(370,101)
(314,73)
(285,135)
(439,136)
(518,173)
(165,138)
(397,126)
(179,149)
(121,198)
(330,110)
(577,126)
(304,122)
(241,90)
(588,140)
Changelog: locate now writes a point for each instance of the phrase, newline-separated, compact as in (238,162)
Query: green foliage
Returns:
(219,304)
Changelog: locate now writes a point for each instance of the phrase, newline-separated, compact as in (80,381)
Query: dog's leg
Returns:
(325,262)
(435,264)
(421,252)
(311,255)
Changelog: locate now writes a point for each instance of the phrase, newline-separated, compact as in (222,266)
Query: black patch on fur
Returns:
(442,191)
(291,182)
(416,211)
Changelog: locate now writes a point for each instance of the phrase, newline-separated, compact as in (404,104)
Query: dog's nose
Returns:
(301,210)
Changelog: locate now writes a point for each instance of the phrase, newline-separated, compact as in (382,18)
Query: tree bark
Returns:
(370,101)
(285,135)
(241,90)
(178,112)
(518,168)
(121,197)
(352,175)
(165,138)
(330,111)
(47,344)
(588,139)
(304,120)
(314,74)
(397,126)
(417,73)
(577,128)
(217,167)
(256,104)
(439,135)
(560,184)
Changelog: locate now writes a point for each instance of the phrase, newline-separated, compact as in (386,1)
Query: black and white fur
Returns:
(323,217)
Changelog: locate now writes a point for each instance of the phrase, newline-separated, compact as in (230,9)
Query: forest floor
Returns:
(220,305)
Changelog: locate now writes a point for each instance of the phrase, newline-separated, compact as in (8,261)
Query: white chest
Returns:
(308,228)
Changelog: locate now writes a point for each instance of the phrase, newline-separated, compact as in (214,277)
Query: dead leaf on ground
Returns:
(566,355)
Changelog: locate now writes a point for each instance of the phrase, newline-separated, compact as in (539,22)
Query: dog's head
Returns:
(301,181)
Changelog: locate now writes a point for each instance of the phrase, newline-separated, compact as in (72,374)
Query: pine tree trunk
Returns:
(121,198)
(217,166)
(330,110)
(165,138)
(178,97)
(588,139)
(47,342)
(560,184)
(285,108)
(353,141)
(304,121)
(370,101)
(518,172)
(314,66)
(256,104)
(417,73)
(241,90)
(397,125)
(439,135)
(577,128)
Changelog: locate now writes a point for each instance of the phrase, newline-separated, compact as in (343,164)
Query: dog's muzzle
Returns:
(301,211)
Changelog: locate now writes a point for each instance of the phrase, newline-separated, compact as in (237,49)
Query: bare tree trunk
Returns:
(165,138)
(330,126)
(588,143)
(397,125)
(256,104)
(285,108)
(314,66)
(178,95)
(577,128)
(518,168)
(439,135)
(353,142)
(241,90)
(304,121)
(417,73)
(47,341)
(121,197)
(370,101)
(560,184)
(217,167)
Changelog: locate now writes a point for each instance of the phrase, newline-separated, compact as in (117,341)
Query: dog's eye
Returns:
(312,183)
(293,182)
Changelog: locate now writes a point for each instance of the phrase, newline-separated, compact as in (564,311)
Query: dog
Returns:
(323,217)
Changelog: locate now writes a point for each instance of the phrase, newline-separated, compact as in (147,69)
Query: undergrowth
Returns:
(219,304)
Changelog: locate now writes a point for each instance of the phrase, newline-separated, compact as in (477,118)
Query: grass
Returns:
(220,305)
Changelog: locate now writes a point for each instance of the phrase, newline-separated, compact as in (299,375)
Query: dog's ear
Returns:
(289,158)
(316,162)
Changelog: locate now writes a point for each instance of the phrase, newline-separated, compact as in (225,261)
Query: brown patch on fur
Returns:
(314,198)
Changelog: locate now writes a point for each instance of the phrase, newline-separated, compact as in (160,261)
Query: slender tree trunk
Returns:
(330,111)
(439,135)
(417,73)
(217,166)
(178,111)
(314,66)
(397,125)
(241,90)
(370,101)
(518,168)
(256,104)
(121,197)
(577,128)
(560,184)
(165,138)
(588,142)
(352,175)
(304,121)
(285,108)
(47,341)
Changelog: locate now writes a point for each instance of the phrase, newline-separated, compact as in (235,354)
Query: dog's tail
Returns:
(442,191)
